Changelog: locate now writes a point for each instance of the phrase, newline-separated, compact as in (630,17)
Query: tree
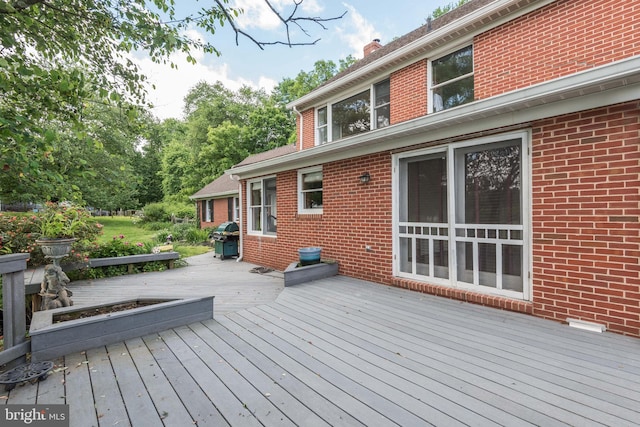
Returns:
(56,56)
(148,160)
(290,89)
(446,8)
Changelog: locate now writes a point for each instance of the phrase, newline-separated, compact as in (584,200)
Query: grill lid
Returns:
(227,228)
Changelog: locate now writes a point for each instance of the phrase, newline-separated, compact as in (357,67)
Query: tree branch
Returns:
(286,21)
(19,5)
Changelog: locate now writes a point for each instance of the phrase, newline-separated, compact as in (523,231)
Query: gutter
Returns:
(240,238)
(604,85)
(301,125)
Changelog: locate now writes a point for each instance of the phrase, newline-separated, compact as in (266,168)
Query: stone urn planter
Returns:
(55,249)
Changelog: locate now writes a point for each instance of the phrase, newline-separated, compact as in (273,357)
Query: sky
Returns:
(246,64)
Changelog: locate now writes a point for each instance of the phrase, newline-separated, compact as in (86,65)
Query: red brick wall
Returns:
(408,92)
(220,213)
(355,215)
(308,137)
(557,40)
(586,217)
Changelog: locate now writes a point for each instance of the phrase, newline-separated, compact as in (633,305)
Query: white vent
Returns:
(587,326)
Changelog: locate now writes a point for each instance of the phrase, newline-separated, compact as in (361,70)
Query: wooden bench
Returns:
(131,260)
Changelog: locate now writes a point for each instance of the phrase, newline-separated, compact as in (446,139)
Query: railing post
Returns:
(12,268)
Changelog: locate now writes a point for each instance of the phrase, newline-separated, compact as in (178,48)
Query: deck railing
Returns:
(16,346)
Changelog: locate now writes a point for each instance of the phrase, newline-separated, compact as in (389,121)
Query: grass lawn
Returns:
(117,225)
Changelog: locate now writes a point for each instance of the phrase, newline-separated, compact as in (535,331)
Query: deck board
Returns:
(603,369)
(306,370)
(79,394)
(137,401)
(473,355)
(236,363)
(167,404)
(346,352)
(321,406)
(405,401)
(187,389)
(109,405)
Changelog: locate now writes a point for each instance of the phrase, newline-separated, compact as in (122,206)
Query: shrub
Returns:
(156,226)
(18,233)
(119,246)
(183,211)
(163,212)
(196,236)
(155,212)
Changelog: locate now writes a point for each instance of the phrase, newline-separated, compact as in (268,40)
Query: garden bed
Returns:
(52,337)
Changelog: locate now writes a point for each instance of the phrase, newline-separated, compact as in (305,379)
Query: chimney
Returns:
(372,47)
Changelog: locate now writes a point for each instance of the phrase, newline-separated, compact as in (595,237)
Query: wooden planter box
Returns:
(295,275)
(50,340)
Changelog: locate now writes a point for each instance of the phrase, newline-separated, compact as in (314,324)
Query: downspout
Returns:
(240,239)
(301,126)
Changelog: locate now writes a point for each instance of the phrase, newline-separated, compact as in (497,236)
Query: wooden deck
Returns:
(345,352)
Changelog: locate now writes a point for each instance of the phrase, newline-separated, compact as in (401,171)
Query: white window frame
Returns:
(263,215)
(452,198)
(430,84)
(328,105)
(208,210)
(236,209)
(301,174)
(325,126)
(375,108)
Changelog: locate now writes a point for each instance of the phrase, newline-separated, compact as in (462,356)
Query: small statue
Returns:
(53,288)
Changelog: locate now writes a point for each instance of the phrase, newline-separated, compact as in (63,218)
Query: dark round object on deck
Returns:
(26,372)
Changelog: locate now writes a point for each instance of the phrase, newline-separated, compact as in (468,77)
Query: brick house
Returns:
(492,155)
(217,202)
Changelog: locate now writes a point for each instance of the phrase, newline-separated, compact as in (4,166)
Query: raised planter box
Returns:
(50,340)
(295,274)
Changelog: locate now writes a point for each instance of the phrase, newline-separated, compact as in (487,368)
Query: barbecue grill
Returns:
(225,239)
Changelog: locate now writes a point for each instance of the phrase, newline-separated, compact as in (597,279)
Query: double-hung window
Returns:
(452,79)
(310,191)
(382,102)
(262,216)
(208,212)
(355,114)
(322,128)
(351,116)
(461,215)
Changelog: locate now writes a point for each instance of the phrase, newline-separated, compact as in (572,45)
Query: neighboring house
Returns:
(217,202)
(492,155)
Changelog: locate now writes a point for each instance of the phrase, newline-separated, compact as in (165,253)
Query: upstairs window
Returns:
(452,79)
(351,116)
(355,114)
(382,102)
(321,129)
(310,191)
